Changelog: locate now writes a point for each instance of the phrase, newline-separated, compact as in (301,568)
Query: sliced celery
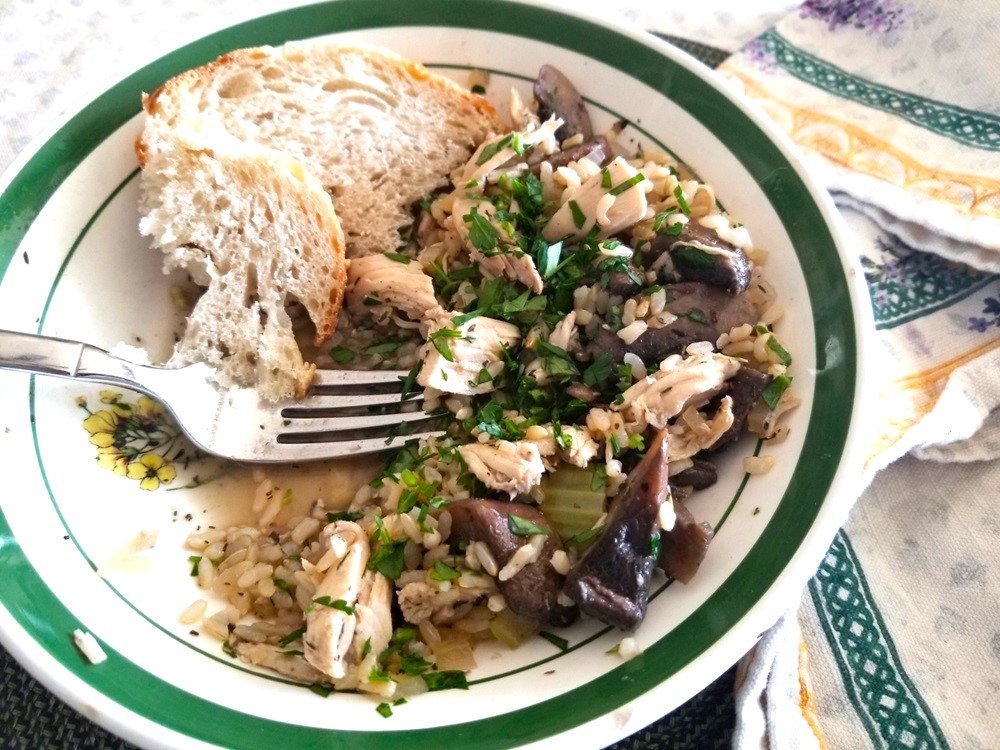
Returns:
(568,501)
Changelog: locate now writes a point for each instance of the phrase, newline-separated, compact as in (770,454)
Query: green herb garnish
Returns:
(775,346)
(560,643)
(448,680)
(443,572)
(630,182)
(681,200)
(524,527)
(341,355)
(772,394)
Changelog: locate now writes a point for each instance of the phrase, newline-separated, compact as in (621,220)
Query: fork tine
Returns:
(333,425)
(333,378)
(334,401)
(296,452)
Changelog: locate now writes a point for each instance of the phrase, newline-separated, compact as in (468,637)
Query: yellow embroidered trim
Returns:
(910,398)
(851,147)
(807,698)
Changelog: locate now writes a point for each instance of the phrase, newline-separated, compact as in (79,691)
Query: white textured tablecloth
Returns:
(923,668)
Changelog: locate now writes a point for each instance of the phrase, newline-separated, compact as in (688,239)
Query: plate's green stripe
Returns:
(966,126)
(72,250)
(883,694)
(823,445)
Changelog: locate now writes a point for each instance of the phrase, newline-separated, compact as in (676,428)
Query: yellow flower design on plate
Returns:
(102,426)
(151,469)
(135,440)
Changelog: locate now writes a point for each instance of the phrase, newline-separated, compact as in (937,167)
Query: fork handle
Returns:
(44,355)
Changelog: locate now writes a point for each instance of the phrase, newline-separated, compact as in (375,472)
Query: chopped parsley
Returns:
(511,140)
(399,258)
(560,643)
(482,234)
(599,370)
(692,256)
(447,680)
(654,546)
(775,346)
(292,637)
(523,527)
(443,572)
(441,340)
(579,217)
(681,200)
(696,315)
(328,601)
(629,183)
(384,709)
(341,355)
(772,394)
(194,560)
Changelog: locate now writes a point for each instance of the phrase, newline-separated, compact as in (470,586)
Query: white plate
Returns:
(73,265)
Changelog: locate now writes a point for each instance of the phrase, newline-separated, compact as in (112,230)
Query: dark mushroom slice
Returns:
(654,345)
(624,283)
(557,96)
(701,475)
(597,150)
(611,581)
(534,591)
(699,254)
(683,548)
(745,387)
(704,312)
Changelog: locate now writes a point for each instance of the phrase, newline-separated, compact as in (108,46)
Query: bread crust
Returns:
(197,109)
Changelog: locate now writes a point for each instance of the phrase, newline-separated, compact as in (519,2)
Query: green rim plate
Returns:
(806,219)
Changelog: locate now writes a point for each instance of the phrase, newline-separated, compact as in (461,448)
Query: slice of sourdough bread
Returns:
(240,159)
(260,233)
(378,131)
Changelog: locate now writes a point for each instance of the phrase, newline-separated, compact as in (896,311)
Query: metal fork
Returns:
(345,413)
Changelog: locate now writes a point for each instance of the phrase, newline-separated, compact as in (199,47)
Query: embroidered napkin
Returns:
(894,106)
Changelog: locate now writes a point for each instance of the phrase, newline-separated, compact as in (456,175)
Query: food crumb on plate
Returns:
(89,647)
(628,649)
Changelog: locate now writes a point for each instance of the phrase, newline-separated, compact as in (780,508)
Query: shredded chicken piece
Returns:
(693,432)
(351,607)
(542,138)
(596,205)
(679,383)
(564,334)
(581,449)
(507,259)
(276,658)
(421,602)
(401,286)
(477,347)
(511,467)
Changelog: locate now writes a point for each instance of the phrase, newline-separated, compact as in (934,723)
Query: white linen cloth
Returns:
(896,643)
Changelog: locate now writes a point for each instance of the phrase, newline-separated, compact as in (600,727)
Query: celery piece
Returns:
(512,629)
(568,501)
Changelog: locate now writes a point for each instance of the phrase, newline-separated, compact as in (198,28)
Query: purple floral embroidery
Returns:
(991,307)
(877,16)
(761,54)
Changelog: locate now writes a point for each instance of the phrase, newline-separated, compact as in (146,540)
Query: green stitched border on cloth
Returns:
(883,695)
(976,129)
